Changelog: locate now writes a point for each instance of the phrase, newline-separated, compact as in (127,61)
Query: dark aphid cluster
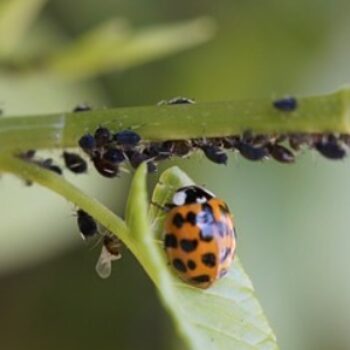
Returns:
(108,150)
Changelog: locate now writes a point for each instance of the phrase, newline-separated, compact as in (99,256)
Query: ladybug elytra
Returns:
(199,239)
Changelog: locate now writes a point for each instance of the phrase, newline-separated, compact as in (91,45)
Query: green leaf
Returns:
(15,18)
(113,45)
(225,316)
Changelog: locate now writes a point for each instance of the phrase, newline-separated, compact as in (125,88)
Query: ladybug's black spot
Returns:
(191,218)
(170,241)
(191,265)
(201,279)
(178,220)
(179,265)
(225,255)
(188,245)
(207,207)
(224,209)
(209,259)
(222,273)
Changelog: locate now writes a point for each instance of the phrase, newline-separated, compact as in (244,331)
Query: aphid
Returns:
(87,143)
(74,162)
(49,165)
(215,154)
(230,142)
(330,148)
(105,167)
(28,155)
(286,104)
(102,137)
(281,153)
(136,158)
(114,155)
(87,224)
(181,148)
(127,138)
(159,151)
(179,100)
(109,253)
(199,238)
(82,108)
(297,140)
(260,140)
(252,153)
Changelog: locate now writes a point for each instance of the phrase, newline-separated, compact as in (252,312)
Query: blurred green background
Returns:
(292,221)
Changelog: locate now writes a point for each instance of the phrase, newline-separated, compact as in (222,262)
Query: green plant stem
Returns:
(58,184)
(317,114)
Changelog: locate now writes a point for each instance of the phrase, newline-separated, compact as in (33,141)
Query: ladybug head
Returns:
(191,195)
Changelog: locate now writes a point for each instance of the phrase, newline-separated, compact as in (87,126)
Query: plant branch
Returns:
(58,184)
(316,114)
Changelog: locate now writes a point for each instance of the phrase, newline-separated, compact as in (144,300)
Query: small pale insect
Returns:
(110,252)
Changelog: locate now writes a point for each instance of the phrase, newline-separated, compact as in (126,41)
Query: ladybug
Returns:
(200,239)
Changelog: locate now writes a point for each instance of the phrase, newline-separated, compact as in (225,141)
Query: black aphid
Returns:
(286,104)
(127,138)
(74,162)
(281,153)
(82,108)
(87,224)
(252,153)
(215,154)
(114,155)
(87,143)
(102,137)
(330,148)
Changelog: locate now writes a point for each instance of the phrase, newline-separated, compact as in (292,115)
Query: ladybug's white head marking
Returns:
(179,198)
(190,195)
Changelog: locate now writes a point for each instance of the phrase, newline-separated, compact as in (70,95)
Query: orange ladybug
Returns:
(200,239)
